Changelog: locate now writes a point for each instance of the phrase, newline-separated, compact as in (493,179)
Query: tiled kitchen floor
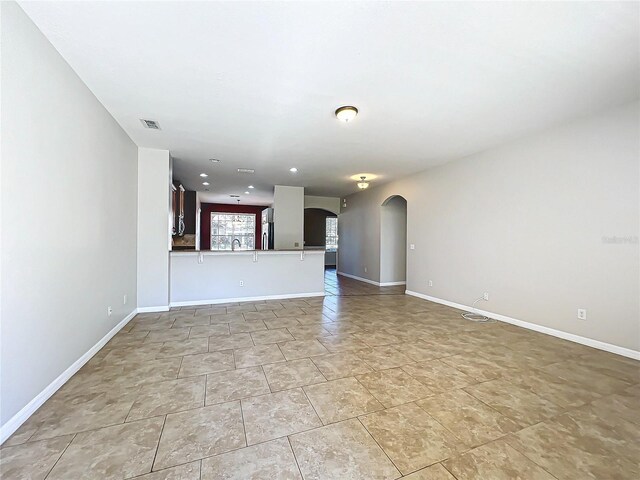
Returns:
(366,383)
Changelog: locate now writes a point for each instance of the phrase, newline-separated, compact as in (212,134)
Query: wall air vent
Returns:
(246,170)
(152,124)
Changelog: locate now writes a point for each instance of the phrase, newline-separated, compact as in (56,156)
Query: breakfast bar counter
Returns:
(209,277)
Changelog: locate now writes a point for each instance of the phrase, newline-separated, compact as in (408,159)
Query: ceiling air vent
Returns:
(150,124)
(246,170)
(234,196)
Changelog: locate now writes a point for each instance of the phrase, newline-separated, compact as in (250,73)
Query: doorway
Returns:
(393,241)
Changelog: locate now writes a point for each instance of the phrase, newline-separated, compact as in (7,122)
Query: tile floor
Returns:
(367,383)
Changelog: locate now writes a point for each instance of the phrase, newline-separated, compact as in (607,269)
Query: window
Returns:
(229,228)
(331,240)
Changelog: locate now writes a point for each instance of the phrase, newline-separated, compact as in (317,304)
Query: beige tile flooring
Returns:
(366,383)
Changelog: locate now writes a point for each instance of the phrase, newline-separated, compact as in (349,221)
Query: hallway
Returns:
(339,285)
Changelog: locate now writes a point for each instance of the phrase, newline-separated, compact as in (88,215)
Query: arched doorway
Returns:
(320,231)
(393,241)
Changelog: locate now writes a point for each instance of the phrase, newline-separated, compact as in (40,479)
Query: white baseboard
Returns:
(160,308)
(19,418)
(589,342)
(391,284)
(361,279)
(246,299)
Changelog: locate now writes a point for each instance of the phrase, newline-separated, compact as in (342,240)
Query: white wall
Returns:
(331,204)
(288,211)
(524,222)
(264,273)
(154,235)
(393,241)
(68,198)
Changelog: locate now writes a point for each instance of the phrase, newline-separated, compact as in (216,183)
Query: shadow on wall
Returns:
(393,240)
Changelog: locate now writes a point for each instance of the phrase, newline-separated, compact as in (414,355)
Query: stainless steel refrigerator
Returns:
(267,229)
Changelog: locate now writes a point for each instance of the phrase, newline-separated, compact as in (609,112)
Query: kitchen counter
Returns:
(247,252)
(209,277)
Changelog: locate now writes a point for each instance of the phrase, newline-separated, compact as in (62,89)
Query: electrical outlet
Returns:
(431,283)
(242,283)
(485,296)
(296,244)
(582,314)
(124,299)
(412,246)
(365,269)
(109,311)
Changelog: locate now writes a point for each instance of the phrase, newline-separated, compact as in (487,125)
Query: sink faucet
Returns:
(233,244)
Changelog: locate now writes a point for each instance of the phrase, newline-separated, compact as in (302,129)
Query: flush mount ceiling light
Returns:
(206,184)
(251,186)
(204,175)
(246,193)
(293,170)
(362,184)
(346,114)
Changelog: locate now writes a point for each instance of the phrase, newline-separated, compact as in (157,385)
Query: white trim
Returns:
(391,284)
(160,308)
(19,418)
(365,280)
(246,299)
(590,342)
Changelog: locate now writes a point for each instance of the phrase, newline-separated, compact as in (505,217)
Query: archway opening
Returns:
(393,241)
(320,231)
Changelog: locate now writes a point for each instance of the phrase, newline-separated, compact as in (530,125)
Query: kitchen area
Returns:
(229,252)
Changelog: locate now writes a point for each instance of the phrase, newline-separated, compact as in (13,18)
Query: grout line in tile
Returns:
(244,427)
(63,452)
(379,446)
(158,445)
(310,403)
(294,455)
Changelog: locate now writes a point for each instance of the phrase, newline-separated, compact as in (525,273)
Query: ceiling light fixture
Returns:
(206,184)
(293,170)
(246,193)
(204,175)
(346,114)
(251,186)
(362,184)
(246,170)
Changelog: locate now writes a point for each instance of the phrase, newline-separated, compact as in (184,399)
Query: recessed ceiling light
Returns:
(214,160)
(246,193)
(251,186)
(347,113)
(293,170)
(206,184)
(204,175)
